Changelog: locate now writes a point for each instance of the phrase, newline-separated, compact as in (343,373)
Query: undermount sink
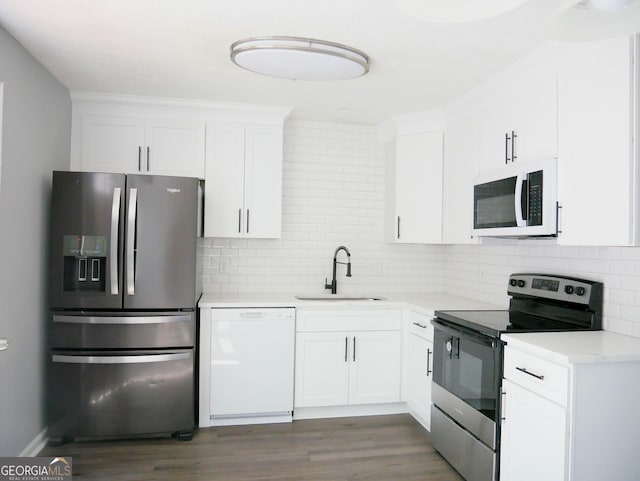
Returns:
(336,297)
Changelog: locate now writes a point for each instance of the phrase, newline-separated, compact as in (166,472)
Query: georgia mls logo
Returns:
(36,469)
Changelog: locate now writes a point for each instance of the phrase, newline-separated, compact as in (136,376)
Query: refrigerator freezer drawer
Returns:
(157,330)
(119,394)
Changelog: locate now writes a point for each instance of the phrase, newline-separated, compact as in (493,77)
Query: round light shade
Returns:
(456,11)
(589,20)
(299,58)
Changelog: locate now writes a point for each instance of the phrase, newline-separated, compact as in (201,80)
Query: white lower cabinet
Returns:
(534,436)
(573,421)
(420,367)
(347,357)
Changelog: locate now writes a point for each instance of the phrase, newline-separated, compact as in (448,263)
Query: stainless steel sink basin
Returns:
(336,297)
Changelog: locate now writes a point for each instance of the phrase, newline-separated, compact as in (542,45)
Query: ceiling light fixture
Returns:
(299,58)
(456,11)
(588,20)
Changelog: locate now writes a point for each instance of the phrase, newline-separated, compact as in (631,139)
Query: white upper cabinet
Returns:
(175,147)
(461,160)
(597,180)
(122,136)
(520,125)
(576,103)
(110,144)
(243,183)
(414,186)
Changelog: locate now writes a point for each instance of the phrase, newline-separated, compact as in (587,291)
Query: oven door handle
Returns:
(459,331)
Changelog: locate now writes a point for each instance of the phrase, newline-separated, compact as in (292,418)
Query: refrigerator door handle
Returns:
(65,319)
(131,241)
(120,359)
(113,249)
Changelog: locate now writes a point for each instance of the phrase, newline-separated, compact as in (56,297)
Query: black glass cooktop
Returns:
(495,323)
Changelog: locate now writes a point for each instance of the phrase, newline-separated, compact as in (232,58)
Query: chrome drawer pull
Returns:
(419,325)
(524,370)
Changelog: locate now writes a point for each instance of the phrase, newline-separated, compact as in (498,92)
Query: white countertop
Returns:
(426,302)
(577,347)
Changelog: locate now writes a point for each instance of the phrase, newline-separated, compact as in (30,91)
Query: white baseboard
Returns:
(239,421)
(348,411)
(36,445)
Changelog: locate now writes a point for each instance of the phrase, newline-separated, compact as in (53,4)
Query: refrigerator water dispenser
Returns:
(85,259)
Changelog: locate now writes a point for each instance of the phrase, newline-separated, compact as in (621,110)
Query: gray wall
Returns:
(35,140)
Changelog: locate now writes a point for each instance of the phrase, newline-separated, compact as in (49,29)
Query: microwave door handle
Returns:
(521,190)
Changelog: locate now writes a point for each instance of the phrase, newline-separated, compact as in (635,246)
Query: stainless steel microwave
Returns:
(518,200)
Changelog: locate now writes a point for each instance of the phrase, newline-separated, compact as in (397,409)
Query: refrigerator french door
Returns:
(122,295)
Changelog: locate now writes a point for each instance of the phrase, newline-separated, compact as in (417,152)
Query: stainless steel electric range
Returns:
(468,358)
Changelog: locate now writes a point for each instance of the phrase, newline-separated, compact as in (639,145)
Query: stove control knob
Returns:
(580,291)
(513,282)
(521,283)
(568,289)
(449,346)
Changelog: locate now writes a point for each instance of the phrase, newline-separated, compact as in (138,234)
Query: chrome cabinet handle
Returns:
(524,370)
(502,416)
(398,227)
(248,221)
(148,162)
(239,220)
(131,239)
(113,248)
(419,325)
(514,136)
(429,370)
(354,348)
(139,158)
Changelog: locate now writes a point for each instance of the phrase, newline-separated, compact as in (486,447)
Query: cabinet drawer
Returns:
(344,320)
(420,325)
(538,375)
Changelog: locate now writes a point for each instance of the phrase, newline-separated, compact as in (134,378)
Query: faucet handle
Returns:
(326,284)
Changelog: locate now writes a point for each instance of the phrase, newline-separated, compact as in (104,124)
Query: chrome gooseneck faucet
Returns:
(334,283)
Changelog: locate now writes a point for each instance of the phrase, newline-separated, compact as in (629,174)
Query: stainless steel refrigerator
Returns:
(123,306)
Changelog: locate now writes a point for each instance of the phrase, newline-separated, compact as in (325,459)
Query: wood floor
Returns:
(377,448)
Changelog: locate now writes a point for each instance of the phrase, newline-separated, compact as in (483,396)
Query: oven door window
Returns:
(494,204)
(468,366)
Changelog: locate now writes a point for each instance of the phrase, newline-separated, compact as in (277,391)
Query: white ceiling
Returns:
(180,48)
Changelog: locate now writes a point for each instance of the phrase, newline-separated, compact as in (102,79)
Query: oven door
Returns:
(467,371)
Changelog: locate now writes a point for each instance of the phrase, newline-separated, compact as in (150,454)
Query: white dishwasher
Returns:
(252,357)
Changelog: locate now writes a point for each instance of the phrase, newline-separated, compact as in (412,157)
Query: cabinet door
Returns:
(497,123)
(322,369)
(112,144)
(420,359)
(375,366)
(536,124)
(460,167)
(534,437)
(595,165)
(262,216)
(521,125)
(175,147)
(224,185)
(418,188)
